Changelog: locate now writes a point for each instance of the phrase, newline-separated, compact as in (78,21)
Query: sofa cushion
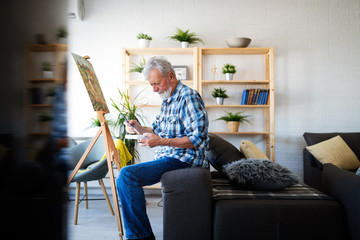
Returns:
(221,152)
(352,139)
(250,150)
(335,151)
(260,174)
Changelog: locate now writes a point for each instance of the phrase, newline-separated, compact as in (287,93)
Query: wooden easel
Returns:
(112,155)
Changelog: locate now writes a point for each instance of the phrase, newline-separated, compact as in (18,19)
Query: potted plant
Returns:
(50,95)
(220,95)
(186,38)
(138,67)
(234,120)
(144,40)
(131,111)
(45,120)
(229,70)
(61,35)
(47,70)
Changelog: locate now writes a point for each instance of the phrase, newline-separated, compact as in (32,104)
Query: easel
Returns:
(111,155)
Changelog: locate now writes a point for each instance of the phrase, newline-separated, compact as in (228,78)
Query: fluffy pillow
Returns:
(250,150)
(335,151)
(259,174)
(221,152)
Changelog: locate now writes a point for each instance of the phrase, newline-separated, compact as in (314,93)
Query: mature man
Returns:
(180,130)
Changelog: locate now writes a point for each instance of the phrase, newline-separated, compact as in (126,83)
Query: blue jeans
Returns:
(129,185)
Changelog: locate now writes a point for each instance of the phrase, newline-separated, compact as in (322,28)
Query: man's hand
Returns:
(151,140)
(134,123)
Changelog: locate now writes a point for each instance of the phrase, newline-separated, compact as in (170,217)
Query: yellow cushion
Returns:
(335,151)
(250,150)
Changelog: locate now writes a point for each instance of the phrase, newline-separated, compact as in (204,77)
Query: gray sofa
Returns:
(190,210)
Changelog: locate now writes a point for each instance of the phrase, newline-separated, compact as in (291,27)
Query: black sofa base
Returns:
(278,219)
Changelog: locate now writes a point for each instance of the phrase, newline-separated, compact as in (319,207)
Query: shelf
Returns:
(209,82)
(159,51)
(41,80)
(237,106)
(48,47)
(234,51)
(40,105)
(145,82)
(242,133)
(39,134)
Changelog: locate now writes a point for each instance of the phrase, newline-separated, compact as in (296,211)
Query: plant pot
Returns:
(62,40)
(229,76)
(144,43)
(48,74)
(220,101)
(233,126)
(184,44)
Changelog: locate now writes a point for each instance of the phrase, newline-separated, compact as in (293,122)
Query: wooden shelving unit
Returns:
(35,55)
(198,82)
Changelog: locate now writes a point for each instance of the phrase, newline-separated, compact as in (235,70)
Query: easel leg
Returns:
(106,196)
(110,153)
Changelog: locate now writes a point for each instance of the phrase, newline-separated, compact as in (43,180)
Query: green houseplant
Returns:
(234,120)
(138,67)
(144,40)
(131,111)
(61,35)
(186,38)
(229,70)
(47,69)
(219,94)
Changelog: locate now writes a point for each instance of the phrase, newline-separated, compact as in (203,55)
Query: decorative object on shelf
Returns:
(220,95)
(139,67)
(181,72)
(45,122)
(36,95)
(40,38)
(229,70)
(186,38)
(47,69)
(144,40)
(238,42)
(61,35)
(213,70)
(234,120)
(50,95)
(131,111)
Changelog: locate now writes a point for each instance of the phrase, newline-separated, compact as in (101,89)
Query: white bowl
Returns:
(238,42)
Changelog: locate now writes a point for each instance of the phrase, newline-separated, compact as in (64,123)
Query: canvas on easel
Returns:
(99,104)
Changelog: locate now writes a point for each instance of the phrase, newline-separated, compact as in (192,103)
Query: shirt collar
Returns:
(176,92)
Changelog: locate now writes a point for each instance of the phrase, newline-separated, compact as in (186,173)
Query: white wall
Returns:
(317,56)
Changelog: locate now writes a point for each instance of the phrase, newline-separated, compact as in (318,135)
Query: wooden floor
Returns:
(96,222)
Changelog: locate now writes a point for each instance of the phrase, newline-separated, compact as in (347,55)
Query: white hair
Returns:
(159,62)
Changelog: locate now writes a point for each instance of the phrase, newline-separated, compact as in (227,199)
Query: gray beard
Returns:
(166,94)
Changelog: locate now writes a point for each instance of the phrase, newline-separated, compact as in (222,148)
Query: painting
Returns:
(91,83)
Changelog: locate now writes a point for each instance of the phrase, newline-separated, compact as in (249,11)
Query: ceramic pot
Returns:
(144,43)
(184,44)
(48,74)
(233,126)
(220,101)
(229,76)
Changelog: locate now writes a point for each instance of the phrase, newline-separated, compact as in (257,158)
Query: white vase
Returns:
(48,74)
(229,76)
(144,43)
(184,44)
(219,101)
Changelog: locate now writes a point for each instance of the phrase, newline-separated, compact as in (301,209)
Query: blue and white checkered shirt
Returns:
(183,115)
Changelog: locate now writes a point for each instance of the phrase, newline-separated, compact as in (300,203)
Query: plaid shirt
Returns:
(183,115)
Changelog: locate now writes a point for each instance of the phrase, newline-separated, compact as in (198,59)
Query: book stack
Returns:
(255,96)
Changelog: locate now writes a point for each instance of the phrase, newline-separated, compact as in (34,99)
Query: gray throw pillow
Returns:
(221,152)
(358,171)
(259,174)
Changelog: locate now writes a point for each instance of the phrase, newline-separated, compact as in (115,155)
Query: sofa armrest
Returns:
(344,186)
(187,204)
(312,171)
